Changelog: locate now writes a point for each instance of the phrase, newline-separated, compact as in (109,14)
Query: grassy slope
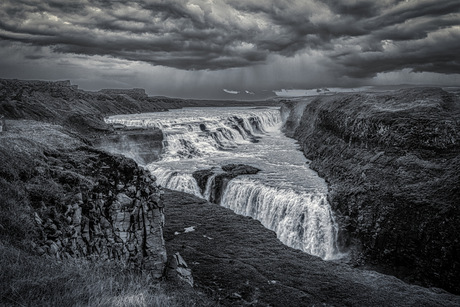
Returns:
(29,280)
(235,259)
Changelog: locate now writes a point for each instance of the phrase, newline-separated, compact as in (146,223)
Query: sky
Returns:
(217,49)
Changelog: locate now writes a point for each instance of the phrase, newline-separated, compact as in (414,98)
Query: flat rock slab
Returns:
(240,263)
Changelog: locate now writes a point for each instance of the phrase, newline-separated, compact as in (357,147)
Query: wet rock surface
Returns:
(237,261)
(222,176)
(392,161)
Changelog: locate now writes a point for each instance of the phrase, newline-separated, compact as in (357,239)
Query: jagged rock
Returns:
(178,270)
(114,210)
(53,249)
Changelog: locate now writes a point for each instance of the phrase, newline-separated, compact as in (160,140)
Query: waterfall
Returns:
(175,180)
(302,221)
(209,184)
(197,135)
(288,198)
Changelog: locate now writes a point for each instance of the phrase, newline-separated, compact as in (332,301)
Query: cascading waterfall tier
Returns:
(286,196)
(175,180)
(197,135)
(300,220)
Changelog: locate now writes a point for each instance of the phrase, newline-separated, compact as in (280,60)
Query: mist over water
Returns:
(286,196)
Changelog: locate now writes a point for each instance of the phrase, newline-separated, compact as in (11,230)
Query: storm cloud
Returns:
(350,38)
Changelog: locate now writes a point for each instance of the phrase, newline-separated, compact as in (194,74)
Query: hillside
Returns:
(62,103)
(392,161)
(65,104)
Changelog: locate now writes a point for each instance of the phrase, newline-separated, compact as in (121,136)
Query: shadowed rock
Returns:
(221,178)
(84,202)
(392,161)
(241,263)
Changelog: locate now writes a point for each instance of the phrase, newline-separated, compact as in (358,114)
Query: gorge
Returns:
(286,196)
(392,164)
(390,161)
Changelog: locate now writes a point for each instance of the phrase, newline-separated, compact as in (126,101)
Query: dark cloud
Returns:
(438,52)
(359,38)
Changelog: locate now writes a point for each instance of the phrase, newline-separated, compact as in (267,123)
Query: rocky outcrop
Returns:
(220,178)
(392,161)
(178,270)
(84,202)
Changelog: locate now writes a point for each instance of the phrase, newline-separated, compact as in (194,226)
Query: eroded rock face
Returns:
(119,216)
(84,202)
(393,165)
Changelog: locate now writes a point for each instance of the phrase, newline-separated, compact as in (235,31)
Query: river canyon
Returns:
(286,195)
(326,190)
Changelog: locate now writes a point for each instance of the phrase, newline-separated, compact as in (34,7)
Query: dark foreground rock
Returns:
(66,200)
(393,164)
(240,263)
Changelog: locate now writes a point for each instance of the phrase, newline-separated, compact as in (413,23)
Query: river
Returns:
(286,196)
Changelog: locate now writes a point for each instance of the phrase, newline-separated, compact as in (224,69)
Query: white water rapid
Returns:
(286,196)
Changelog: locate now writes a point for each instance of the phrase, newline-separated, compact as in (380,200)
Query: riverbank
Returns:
(392,161)
(238,262)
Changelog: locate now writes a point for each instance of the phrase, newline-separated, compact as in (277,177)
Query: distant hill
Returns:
(61,102)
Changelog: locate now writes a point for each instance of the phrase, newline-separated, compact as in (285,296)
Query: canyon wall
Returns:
(65,104)
(64,199)
(392,161)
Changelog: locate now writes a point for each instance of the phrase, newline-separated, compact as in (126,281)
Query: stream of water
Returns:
(286,196)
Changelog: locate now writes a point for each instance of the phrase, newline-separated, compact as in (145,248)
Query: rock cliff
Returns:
(392,161)
(63,103)
(77,200)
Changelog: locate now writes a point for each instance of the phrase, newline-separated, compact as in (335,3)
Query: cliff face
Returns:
(63,103)
(67,200)
(393,165)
